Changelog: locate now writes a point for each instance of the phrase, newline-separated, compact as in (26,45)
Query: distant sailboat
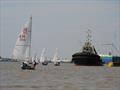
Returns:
(22,50)
(55,59)
(35,59)
(43,59)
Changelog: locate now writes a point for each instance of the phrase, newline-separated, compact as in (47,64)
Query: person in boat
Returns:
(34,63)
(25,63)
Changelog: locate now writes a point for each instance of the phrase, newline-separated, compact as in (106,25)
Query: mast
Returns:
(89,35)
(0,43)
(30,36)
(88,47)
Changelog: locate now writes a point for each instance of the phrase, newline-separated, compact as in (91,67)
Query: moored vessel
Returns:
(88,56)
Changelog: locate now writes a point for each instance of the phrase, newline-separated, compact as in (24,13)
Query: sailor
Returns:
(34,63)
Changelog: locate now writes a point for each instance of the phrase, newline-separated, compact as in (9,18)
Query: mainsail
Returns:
(42,58)
(22,48)
(55,57)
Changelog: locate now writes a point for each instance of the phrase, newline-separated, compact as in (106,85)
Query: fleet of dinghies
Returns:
(22,50)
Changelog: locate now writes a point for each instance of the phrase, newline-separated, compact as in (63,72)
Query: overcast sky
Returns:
(60,24)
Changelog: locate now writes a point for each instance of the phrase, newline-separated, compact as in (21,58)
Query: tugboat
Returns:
(88,56)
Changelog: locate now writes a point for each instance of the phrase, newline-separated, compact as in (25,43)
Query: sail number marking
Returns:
(23,35)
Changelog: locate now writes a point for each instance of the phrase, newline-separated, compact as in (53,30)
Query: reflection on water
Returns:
(64,77)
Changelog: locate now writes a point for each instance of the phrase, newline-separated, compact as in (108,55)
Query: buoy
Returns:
(110,64)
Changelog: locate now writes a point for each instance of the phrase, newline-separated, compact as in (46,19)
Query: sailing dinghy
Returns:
(22,50)
(43,59)
(56,60)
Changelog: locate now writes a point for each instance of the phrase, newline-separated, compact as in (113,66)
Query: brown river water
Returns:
(67,76)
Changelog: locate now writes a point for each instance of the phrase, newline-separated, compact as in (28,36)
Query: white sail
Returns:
(42,58)
(55,57)
(34,58)
(22,48)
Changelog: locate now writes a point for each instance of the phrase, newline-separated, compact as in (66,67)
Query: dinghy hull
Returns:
(45,63)
(57,64)
(28,66)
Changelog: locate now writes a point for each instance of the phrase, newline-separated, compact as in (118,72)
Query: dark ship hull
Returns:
(88,56)
(86,59)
